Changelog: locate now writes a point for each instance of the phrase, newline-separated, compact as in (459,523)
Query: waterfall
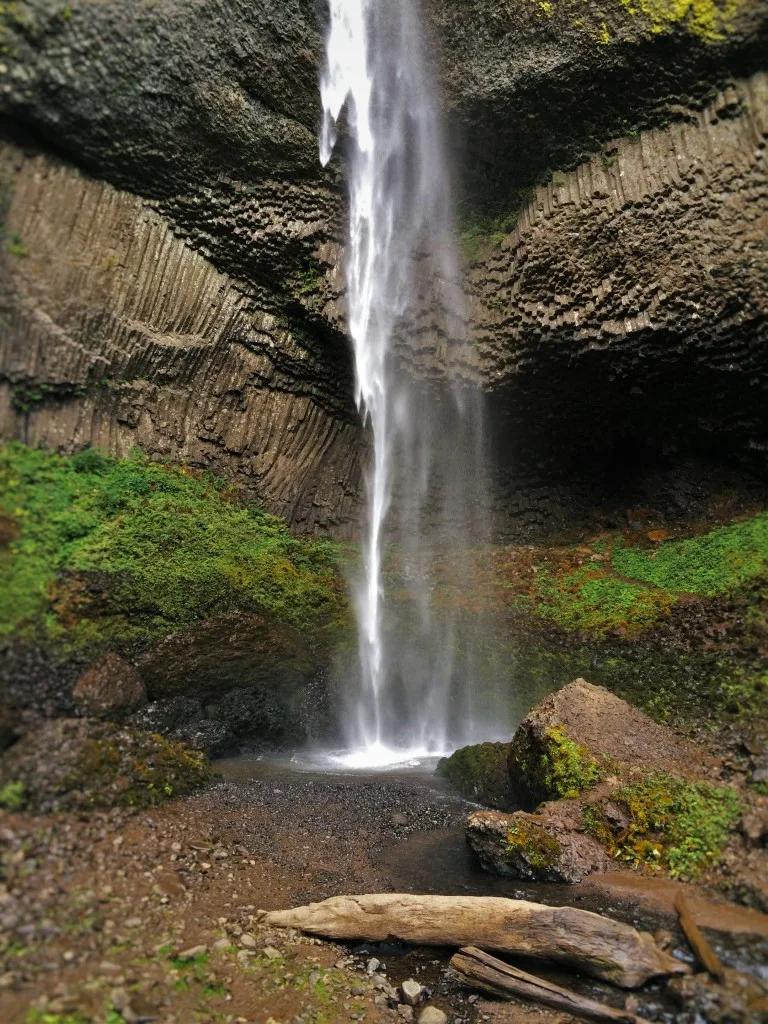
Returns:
(400,262)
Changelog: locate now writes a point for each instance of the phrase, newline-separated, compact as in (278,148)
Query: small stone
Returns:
(192,953)
(406,1012)
(221,945)
(248,941)
(431,1015)
(271,953)
(411,992)
(133,922)
(372,966)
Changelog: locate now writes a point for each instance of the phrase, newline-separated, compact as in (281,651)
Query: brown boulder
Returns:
(111,688)
(230,652)
(545,847)
(583,733)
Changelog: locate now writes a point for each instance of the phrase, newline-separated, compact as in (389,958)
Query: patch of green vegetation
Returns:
(16,246)
(568,768)
(592,600)
(480,234)
(674,824)
(530,841)
(40,1017)
(13,796)
(166,545)
(479,772)
(714,563)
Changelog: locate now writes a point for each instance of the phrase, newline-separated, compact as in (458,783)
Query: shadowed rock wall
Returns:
(628,310)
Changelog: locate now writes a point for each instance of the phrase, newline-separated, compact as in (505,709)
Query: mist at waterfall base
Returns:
(425,487)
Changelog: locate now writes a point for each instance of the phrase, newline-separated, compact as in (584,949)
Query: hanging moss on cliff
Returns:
(102,549)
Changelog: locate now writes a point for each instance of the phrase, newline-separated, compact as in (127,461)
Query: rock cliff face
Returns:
(171,267)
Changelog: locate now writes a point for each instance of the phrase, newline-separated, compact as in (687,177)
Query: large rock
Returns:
(111,688)
(83,764)
(213,656)
(479,772)
(541,847)
(584,733)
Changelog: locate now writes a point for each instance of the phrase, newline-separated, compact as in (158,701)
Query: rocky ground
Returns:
(153,915)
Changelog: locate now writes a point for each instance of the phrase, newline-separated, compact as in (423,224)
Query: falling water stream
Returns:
(404,298)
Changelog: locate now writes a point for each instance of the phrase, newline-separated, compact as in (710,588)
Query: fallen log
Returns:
(481,971)
(704,952)
(605,949)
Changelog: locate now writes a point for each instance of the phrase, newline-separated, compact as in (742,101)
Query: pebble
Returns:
(372,966)
(220,945)
(412,992)
(193,953)
(271,953)
(406,1012)
(431,1015)
(247,940)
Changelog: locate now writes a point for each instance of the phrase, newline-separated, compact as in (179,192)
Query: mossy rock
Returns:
(548,847)
(82,764)
(479,772)
(582,734)
(664,822)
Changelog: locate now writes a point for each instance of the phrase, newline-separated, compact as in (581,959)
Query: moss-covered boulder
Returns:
(583,734)
(81,764)
(542,848)
(479,772)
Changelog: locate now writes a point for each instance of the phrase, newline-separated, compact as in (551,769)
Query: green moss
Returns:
(592,600)
(167,546)
(479,772)
(674,824)
(637,585)
(568,769)
(715,563)
(528,840)
(13,796)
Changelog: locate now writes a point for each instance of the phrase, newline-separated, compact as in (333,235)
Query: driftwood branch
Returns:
(588,942)
(481,971)
(704,952)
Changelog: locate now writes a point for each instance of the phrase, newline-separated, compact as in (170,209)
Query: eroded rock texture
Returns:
(118,333)
(625,318)
(182,289)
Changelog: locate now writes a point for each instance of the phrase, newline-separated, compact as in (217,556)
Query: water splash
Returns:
(400,263)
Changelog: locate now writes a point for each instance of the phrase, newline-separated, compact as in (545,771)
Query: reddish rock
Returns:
(111,688)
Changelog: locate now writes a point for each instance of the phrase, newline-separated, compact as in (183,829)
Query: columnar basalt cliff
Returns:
(171,272)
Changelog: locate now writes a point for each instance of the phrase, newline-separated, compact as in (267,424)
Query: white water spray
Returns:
(400,249)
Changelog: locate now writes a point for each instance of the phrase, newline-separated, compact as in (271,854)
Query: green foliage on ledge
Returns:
(714,563)
(100,549)
(673,824)
(633,585)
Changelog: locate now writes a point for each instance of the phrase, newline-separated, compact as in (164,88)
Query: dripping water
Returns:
(425,492)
